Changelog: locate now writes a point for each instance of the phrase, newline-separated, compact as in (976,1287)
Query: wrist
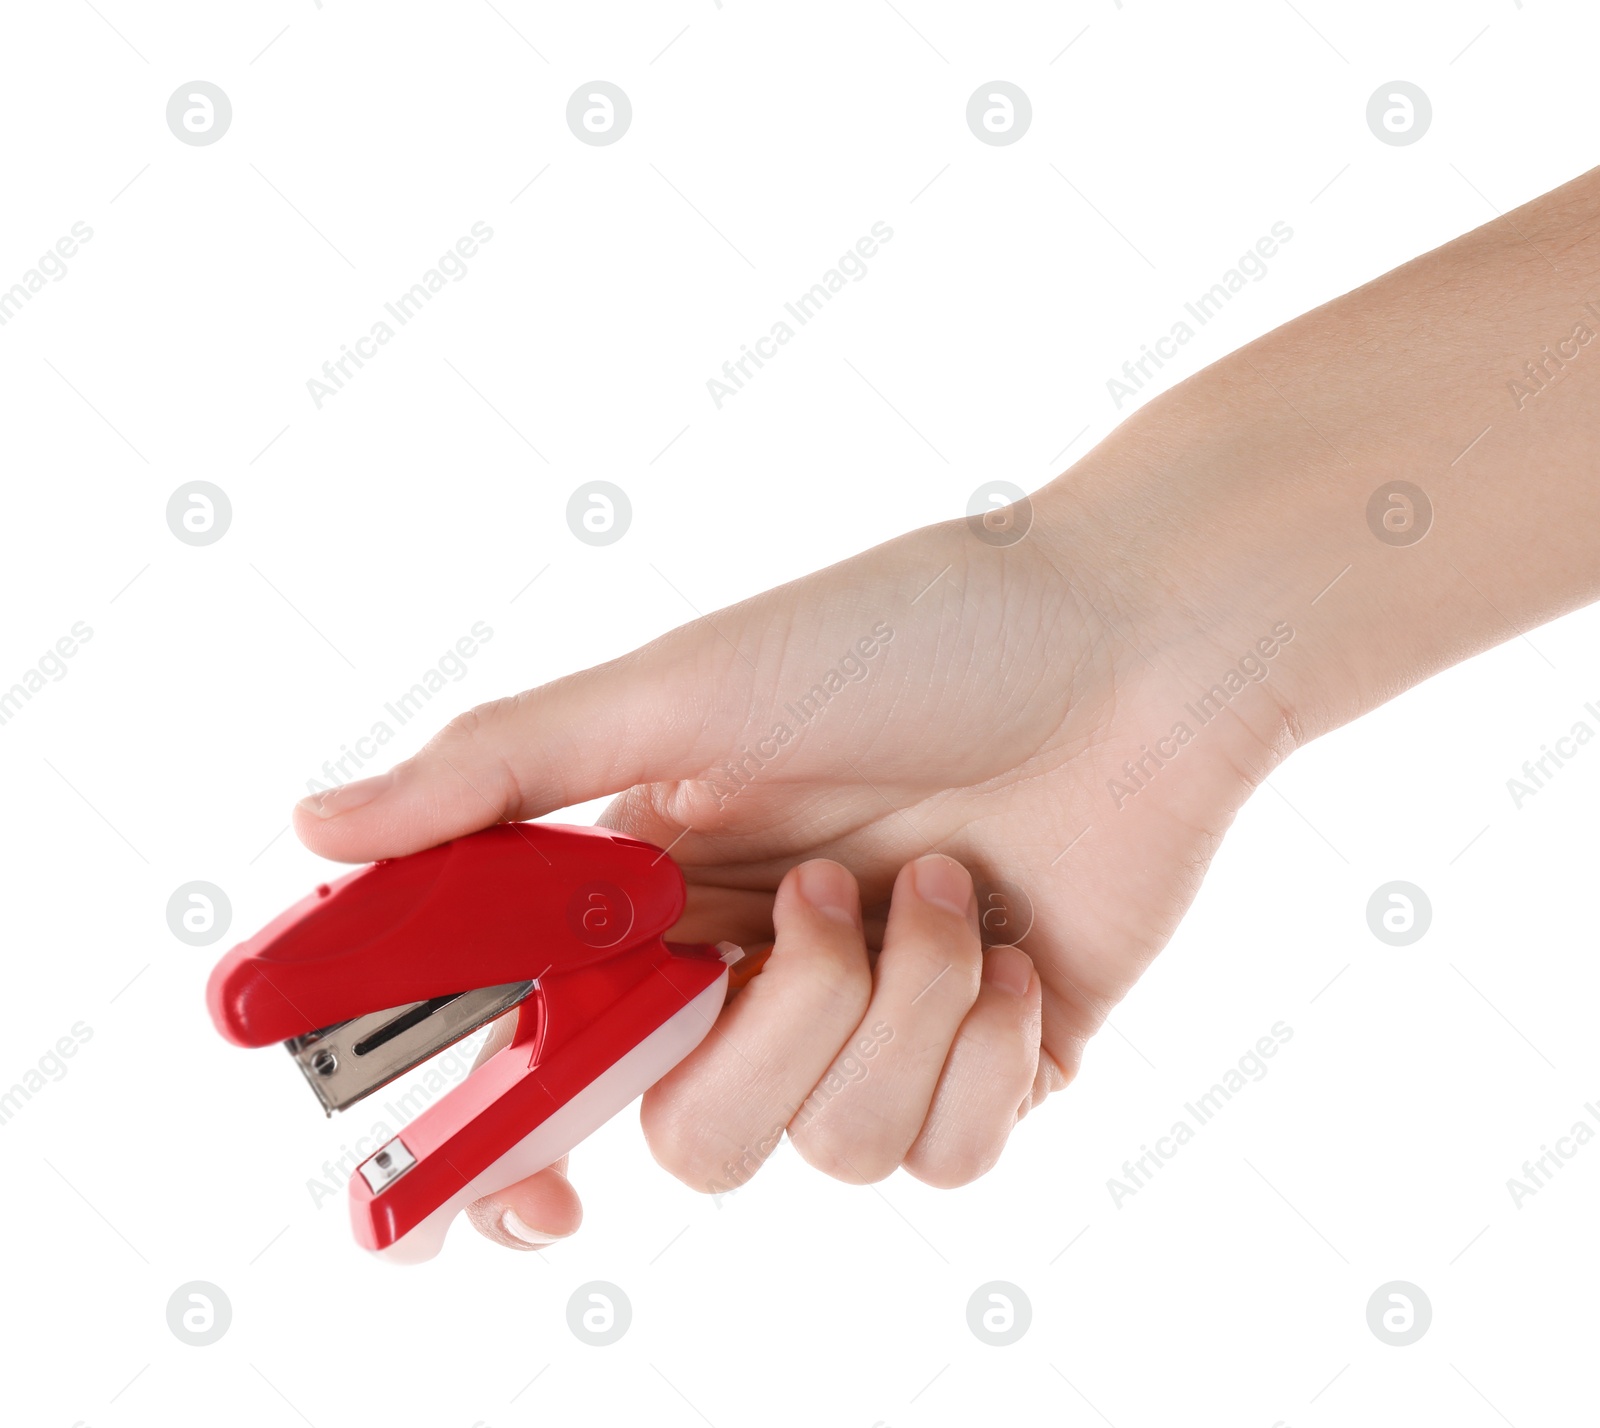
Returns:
(1372,473)
(1183,533)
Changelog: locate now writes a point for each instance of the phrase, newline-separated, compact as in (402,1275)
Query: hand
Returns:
(934,705)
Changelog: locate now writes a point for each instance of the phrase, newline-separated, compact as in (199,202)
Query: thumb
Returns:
(532,1213)
(652,715)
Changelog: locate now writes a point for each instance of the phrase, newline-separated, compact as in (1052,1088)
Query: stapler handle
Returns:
(509,903)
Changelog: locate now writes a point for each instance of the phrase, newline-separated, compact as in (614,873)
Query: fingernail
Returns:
(943,882)
(519,1229)
(831,890)
(1008,969)
(334,801)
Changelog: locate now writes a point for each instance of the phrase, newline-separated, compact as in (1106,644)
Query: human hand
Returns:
(935,705)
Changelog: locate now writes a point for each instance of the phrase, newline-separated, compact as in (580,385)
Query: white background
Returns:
(369,535)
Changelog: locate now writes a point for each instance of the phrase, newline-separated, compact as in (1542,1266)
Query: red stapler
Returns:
(372,974)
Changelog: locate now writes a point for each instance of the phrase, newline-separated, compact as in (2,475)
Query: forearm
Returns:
(1472,373)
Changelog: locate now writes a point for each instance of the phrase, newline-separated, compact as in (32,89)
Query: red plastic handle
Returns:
(511,902)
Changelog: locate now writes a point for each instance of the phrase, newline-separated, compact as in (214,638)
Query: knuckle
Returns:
(467,738)
(947,976)
(1011,1067)
(465,728)
(830,976)
(1010,1034)
(1055,1072)
(700,804)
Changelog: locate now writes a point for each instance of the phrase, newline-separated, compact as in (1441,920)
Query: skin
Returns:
(991,737)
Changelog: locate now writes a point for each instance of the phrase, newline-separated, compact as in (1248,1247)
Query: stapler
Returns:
(368,976)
